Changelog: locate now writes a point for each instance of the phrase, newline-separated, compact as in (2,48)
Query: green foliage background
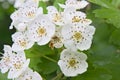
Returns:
(103,56)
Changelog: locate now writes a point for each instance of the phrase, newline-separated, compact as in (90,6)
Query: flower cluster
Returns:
(68,28)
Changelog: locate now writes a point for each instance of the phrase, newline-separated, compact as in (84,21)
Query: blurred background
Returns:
(6,9)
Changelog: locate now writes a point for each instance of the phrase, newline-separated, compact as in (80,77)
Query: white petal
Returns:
(16,36)
(21,27)
(85,44)
(70,45)
(81,56)
(7,49)
(62,5)
(83,4)
(30,44)
(18,3)
(44,40)
(4,68)
(16,47)
(37,76)
(90,30)
(39,11)
(51,9)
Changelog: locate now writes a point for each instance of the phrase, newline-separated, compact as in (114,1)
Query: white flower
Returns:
(72,63)
(18,65)
(41,30)
(57,40)
(72,16)
(25,14)
(77,36)
(54,15)
(21,41)
(6,59)
(29,75)
(17,23)
(28,11)
(14,62)
(74,3)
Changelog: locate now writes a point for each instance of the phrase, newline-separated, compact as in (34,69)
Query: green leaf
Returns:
(43,5)
(116,3)
(105,13)
(111,16)
(46,66)
(115,37)
(38,51)
(96,74)
(109,12)
(34,62)
(3,77)
(56,2)
(103,3)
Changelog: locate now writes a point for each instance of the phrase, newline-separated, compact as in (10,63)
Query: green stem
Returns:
(58,76)
(48,58)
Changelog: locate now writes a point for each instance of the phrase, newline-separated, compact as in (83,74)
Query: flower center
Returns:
(77,36)
(22,43)
(29,78)
(56,39)
(17,66)
(72,62)
(76,19)
(7,59)
(57,17)
(41,31)
(31,14)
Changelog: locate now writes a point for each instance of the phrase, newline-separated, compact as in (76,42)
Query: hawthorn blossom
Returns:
(29,74)
(77,4)
(29,10)
(72,63)
(18,65)
(55,15)
(57,39)
(25,14)
(6,59)
(14,63)
(17,23)
(77,36)
(21,41)
(42,30)
(70,15)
